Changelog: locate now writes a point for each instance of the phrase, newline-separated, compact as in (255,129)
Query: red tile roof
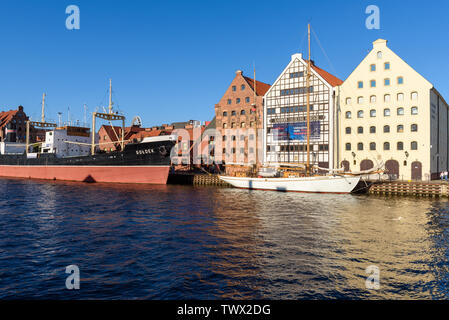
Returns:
(261,87)
(6,117)
(331,79)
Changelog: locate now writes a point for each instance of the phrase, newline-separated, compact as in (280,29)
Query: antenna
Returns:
(43,108)
(85,115)
(68,116)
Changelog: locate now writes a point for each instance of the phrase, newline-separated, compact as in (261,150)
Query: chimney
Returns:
(380,43)
(239,72)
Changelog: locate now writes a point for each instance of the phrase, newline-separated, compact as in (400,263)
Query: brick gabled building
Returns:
(13,125)
(238,117)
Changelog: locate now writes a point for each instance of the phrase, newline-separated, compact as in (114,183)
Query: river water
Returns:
(182,242)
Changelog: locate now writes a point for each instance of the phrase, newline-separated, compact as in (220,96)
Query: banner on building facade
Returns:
(296,131)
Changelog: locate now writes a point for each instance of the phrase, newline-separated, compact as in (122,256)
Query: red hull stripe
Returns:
(108,174)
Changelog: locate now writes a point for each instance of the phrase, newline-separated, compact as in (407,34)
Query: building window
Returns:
(400,80)
(229,101)
(387,98)
(360,114)
(373,67)
(400,111)
(242,112)
(400,128)
(251,124)
(233,150)
(348,115)
(372,146)
(373,83)
(251,137)
(360,130)
(243,87)
(372,113)
(348,130)
(373,99)
(233,125)
(414,145)
(247,99)
(242,150)
(414,128)
(414,110)
(387,82)
(238,100)
(224,138)
(372,129)
(234,88)
(400,146)
(360,146)
(243,125)
(360,84)
(387,112)
(414,96)
(296,75)
(348,101)
(386,129)
(400,97)
(348,147)
(225,114)
(386,146)
(379,55)
(233,113)
(360,100)
(225,125)
(224,150)
(233,138)
(251,150)
(387,66)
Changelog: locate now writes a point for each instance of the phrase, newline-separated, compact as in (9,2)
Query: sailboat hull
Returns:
(327,184)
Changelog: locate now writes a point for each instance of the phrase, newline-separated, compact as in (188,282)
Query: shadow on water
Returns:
(180,242)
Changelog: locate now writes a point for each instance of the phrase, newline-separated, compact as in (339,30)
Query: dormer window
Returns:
(379,55)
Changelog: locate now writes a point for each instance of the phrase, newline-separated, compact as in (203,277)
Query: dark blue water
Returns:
(176,242)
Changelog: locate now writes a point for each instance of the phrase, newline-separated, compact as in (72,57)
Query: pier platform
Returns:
(410,188)
(196,179)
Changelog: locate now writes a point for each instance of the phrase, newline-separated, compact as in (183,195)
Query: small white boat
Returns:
(338,184)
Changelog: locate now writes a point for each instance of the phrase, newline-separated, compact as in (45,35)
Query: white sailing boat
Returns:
(334,182)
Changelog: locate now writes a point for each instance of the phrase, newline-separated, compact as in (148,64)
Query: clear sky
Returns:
(172,60)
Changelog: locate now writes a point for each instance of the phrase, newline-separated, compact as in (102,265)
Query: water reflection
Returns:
(176,242)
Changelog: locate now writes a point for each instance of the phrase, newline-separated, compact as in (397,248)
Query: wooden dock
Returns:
(406,188)
(197,180)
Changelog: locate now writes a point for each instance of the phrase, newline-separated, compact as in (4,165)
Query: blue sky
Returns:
(172,60)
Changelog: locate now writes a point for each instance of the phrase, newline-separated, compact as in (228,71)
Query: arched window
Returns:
(400,97)
(414,110)
(414,145)
(225,114)
(379,55)
(372,129)
(386,146)
(242,112)
(243,87)
(386,112)
(225,125)
(348,130)
(372,99)
(233,113)
(360,100)
(372,113)
(360,146)
(400,128)
(348,147)
(400,146)
(243,125)
(360,114)
(386,129)
(400,111)
(414,127)
(372,146)
(414,96)
(348,115)
(360,130)
(348,101)
(387,98)
(238,100)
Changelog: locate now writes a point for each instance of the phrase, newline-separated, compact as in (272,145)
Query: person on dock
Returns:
(442,176)
(446,175)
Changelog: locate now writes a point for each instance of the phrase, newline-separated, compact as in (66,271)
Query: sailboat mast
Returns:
(308,103)
(256,112)
(110,96)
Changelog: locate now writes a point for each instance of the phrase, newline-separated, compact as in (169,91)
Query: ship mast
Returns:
(308,103)
(110,96)
(257,114)
(43,108)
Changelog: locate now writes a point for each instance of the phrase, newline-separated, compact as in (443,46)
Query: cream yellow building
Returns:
(388,113)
